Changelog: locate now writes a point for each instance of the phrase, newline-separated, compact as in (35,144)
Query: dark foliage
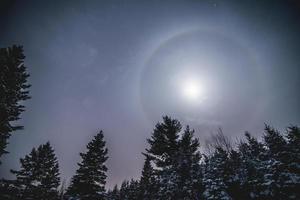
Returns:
(148,182)
(13,90)
(89,180)
(38,177)
(173,170)
(176,159)
(113,194)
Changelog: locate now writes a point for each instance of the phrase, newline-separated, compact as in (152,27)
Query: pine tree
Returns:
(164,142)
(235,176)
(292,183)
(276,163)
(124,190)
(89,180)
(164,152)
(13,90)
(8,190)
(114,194)
(275,142)
(38,177)
(177,161)
(188,167)
(148,182)
(129,190)
(253,167)
(215,175)
(280,180)
(133,190)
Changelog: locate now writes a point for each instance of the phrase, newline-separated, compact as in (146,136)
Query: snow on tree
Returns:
(188,166)
(176,159)
(280,179)
(163,151)
(253,167)
(214,176)
(148,181)
(113,194)
(129,190)
(292,183)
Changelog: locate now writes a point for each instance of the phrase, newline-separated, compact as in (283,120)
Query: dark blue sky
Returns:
(118,66)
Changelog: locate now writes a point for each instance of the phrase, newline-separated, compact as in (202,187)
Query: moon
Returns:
(192,90)
(195,75)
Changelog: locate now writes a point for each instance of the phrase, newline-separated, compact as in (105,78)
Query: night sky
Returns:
(120,66)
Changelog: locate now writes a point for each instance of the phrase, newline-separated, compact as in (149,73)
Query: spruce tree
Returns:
(164,152)
(13,90)
(215,172)
(38,177)
(292,183)
(148,182)
(279,179)
(113,194)
(89,180)
(177,161)
(253,167)
(133,190)
(188,169)
(8,190)
(124,190)
(129,190)
(275,143)
(164,142)
(237,177)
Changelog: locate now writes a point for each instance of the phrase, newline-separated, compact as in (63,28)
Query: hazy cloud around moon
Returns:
(229,72)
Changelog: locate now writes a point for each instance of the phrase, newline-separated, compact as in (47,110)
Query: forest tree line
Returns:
(174,167)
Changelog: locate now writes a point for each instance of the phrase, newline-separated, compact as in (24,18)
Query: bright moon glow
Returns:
(193,90)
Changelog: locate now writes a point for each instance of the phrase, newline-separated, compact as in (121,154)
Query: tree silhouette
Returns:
(292,162)
(148,182)
(114,194)
(89,180)
(214,176)
(173,169)
(13,90)
(38,177)
(176,159)
(129,190)
(164,152)
(188,169)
